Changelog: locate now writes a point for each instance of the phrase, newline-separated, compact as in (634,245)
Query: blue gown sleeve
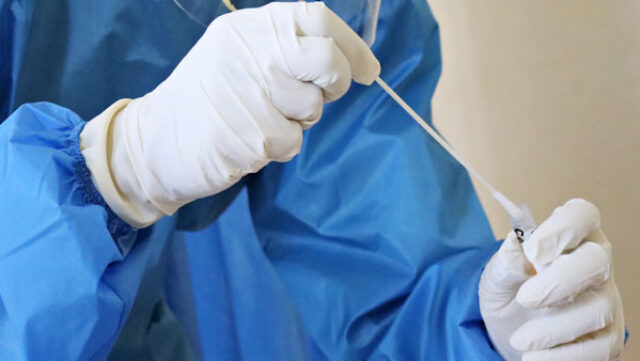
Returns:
(64,289)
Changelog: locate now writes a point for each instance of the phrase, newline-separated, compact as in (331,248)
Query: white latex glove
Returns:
(238,100)
(570,310)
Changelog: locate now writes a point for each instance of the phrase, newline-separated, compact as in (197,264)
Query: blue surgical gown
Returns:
(367,246)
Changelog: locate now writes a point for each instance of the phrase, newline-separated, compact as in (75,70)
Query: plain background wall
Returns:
(543,97)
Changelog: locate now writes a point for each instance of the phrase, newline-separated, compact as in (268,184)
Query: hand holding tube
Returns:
(571,309)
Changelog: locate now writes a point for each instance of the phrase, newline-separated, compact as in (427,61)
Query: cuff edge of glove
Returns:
(94,146)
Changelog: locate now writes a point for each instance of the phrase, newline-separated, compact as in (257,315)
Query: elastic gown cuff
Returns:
(123,234)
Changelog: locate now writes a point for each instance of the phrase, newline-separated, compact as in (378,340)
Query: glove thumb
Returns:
(507,270)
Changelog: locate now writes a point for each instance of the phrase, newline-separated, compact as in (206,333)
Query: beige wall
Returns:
(544,98)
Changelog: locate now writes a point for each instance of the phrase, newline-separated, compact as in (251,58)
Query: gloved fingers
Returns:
(603,345)
(321,62)
(276,137)
(283,146)
(568,276)
(503,275)
(591,311)
(316,19)
(563,231)
(296,100)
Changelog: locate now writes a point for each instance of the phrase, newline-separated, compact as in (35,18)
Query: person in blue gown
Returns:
(369,245)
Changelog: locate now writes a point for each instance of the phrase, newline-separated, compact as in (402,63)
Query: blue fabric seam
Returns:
(118,228)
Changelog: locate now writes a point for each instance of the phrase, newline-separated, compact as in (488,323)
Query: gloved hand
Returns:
(238,100)
(571,309)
